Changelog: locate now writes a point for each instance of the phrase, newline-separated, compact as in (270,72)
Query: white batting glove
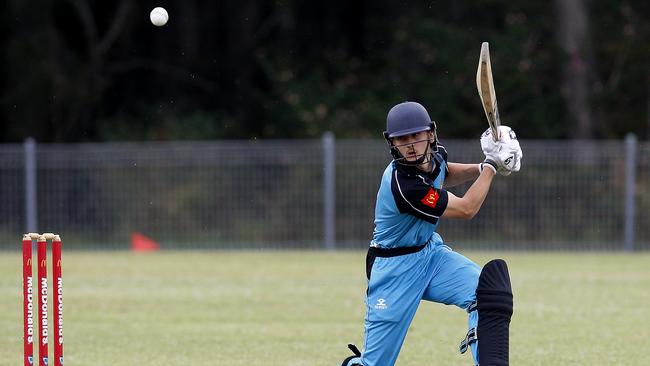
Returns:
(488,145)
(506,153)
(512,163)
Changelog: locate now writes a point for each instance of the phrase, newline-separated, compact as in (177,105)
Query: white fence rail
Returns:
(570,195)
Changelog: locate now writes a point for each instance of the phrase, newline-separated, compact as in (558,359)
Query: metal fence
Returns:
(570,195)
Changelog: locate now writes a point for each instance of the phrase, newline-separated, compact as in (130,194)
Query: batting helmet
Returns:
(407,118)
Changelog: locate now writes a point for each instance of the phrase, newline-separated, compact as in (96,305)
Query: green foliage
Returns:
(295,71)
(169,120)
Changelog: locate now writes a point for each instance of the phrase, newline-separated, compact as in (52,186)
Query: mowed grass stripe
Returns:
(303,307)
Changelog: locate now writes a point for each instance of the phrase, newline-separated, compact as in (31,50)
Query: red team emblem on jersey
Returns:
(431,198)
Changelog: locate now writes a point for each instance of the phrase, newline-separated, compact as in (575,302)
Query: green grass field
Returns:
(301,308)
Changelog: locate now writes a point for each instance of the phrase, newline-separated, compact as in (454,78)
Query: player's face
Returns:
(413,146)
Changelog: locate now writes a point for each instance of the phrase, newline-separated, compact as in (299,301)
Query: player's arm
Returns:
(498,155)
(414,195)
(467,206)
(459,173)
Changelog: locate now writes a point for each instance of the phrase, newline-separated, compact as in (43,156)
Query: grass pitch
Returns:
(301,308)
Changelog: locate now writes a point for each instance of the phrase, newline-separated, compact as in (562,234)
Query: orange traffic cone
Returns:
(142,243)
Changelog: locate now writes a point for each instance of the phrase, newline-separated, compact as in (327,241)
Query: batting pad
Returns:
(494,305)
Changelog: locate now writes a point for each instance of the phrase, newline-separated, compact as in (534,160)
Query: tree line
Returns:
(79,70)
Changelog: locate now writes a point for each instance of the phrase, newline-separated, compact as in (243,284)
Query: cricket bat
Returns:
(486,91)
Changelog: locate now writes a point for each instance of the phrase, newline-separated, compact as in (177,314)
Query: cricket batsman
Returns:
(408,261)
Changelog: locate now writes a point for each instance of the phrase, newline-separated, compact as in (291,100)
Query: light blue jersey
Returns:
(409,204)
(408,262)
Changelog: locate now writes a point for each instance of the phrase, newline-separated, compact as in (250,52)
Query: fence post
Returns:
(630,190)
(329,190)
(31,218)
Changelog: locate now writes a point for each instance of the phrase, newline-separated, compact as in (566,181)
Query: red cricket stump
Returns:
(28,302)
(42,300)
(58,301)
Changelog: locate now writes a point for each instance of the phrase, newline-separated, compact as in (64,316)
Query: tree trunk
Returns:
(647,115)
(577,71)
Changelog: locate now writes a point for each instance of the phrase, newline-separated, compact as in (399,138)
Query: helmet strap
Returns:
(427,157)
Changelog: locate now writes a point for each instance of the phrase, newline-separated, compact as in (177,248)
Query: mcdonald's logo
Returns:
(44,263)
(58,263)
(29,262)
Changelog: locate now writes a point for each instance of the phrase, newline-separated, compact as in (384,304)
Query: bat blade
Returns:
(485,86)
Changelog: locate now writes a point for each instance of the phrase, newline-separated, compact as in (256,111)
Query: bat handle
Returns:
(495,134)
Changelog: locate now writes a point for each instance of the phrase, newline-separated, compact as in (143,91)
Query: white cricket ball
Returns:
(159,16)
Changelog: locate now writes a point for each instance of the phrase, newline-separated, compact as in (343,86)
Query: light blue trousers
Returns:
(398,284)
